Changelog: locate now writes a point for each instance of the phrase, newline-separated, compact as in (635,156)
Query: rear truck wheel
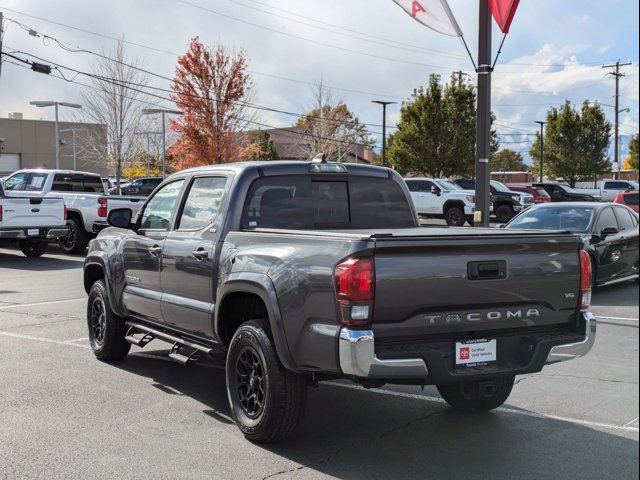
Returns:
(106,329)
(76,240)
(33,248)
(504,213)
(479,396)
(267,400)
(454,216)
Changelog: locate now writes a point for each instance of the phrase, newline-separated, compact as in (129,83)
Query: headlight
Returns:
(471,199)
(516,198)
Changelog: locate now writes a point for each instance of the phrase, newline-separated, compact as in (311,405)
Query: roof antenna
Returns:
(320,158)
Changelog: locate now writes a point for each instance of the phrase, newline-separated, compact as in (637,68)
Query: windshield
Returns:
(447,185)
(566,218)
(501,187)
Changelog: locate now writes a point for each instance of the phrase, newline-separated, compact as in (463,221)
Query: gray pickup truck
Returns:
(307,271)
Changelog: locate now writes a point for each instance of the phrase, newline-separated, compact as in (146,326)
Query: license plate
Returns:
(476,353)
(32,232)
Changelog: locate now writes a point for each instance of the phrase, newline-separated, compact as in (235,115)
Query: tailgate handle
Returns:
(487,270)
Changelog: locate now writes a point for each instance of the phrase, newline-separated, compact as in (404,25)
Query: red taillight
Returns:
(65,212)
(354,283)
(585,280)
(102,209)
(0,213)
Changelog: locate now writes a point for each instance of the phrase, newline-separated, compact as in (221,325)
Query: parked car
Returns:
(307,271)
(505,202)
(564,193)
(442,199)
(140,186)
(609,232)
(80,191)
(630,199)
(539,195)
(608,189)
(32,221)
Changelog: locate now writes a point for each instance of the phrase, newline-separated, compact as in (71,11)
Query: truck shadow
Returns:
(357,434)
(14,259)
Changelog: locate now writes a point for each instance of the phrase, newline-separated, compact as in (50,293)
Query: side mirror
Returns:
(120,218)
(435,190)
(608,231)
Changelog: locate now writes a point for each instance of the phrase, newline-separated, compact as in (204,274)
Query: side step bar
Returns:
(178,343)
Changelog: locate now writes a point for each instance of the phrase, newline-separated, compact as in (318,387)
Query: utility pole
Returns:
(461,74)
(541,123)
(164,112)
(616,74)
(384,128)
(483,123)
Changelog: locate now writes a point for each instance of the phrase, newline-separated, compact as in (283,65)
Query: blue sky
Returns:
(367,49)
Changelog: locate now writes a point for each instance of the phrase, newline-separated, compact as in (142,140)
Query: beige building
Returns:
(31,144)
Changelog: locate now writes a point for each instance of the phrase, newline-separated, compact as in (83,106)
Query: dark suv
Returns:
(505,202)
(142,186)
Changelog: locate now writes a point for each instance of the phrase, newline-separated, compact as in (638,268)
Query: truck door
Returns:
(142,253)
(189,257)
(610,248)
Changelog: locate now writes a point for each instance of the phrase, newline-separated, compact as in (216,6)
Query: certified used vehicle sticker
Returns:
(476,353)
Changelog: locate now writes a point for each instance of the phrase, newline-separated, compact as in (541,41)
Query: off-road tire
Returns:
(76,240)
(33,248)
(106,334)
(504,213)
(469,396)
(284,392)
(454,216)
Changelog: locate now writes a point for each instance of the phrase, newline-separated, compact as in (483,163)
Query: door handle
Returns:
(155,250)
(200,254)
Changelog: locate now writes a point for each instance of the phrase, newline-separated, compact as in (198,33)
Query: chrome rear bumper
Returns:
(569,351)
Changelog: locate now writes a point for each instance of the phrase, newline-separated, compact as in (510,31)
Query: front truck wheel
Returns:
(480,396)
(454,216)
(106,329)
(267,400)
(33,248)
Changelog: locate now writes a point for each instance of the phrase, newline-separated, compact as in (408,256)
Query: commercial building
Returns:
(31,144)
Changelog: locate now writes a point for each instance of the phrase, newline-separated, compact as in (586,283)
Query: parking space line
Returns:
(617,318)
(51,302)
(77,340)
(41,339)
(513,411)
(629,424)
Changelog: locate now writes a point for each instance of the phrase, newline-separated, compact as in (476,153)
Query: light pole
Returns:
(384,128)
(73,133)
(56,105)
(153,111)
(542,124)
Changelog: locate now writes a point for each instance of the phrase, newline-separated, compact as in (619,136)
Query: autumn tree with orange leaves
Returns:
(211,87)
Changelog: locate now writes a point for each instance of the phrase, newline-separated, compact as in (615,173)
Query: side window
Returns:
(63,182)
(157,212)
(16,182)
(202,203)
(631,199)
(92,184)
(624,219)
(606,219)
(413,186)
(616,185)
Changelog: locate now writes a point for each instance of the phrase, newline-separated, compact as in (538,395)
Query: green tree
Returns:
(632,159)
(575,144)
(437,130)
(508,160)
(260,146)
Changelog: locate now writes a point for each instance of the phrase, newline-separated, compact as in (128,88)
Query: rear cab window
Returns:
(302,202)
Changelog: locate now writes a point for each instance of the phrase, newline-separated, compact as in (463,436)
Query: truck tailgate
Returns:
(473,283)
(32,212)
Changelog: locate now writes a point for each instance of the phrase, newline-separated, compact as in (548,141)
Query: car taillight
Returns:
(585,280)
(0,213)
(102,209)
(65,212)
(354,282)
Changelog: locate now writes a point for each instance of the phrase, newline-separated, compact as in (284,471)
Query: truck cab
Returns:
(442,199)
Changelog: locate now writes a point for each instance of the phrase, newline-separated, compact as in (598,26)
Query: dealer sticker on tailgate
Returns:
(476,353)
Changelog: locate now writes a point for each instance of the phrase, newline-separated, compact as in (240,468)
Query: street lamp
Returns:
(153,111)
(541,123)
(384,128)
(56,105)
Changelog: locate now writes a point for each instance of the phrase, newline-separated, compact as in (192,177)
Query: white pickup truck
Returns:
(84,197)
(442,199)
(32,221)
(608,189)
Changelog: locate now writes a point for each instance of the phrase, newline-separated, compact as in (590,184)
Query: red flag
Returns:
(503,12)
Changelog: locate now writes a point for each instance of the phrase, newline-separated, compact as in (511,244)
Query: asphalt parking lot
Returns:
(66,415)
